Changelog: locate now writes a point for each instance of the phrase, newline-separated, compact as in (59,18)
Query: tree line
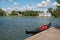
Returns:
(15,13)
(54,12)
(2,12)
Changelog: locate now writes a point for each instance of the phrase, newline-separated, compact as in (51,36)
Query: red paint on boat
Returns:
(43,27)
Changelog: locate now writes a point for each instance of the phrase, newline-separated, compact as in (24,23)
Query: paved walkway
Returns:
(49,34)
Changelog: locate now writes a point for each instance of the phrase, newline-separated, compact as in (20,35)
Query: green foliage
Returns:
(56,13)
(58,6)
(2,12)
(30,13)
(50,10)
(58,1)
(14,13)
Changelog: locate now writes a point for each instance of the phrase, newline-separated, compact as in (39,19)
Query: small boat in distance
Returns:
(40,29)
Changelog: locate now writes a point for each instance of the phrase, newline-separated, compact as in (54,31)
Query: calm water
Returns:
(12,28)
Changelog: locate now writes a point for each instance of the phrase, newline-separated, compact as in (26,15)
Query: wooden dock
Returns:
(49,34)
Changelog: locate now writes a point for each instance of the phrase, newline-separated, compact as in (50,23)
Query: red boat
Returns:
(37,30)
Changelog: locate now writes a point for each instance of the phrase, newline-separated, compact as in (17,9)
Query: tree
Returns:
(14,13)
(56,13)
(30,13)
(58,5)
(2,12)
(58,1)
(50,10)
(19,12)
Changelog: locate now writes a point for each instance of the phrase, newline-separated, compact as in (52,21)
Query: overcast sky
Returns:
(22,5)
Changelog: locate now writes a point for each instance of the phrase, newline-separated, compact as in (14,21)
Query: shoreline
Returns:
(49,34)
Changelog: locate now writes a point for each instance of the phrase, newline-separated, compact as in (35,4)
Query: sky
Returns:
(22,5)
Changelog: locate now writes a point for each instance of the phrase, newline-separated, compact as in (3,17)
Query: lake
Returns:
(12,28)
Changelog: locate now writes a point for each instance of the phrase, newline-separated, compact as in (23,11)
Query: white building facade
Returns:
(45,14)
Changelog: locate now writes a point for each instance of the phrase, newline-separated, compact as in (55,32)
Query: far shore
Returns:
(32,16)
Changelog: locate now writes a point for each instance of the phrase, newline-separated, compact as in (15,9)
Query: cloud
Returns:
(43,3)
(48,0)
(4,9)
(45,10)
(26,7)
(13,8)
(39,5)
(56,4)
(9,9)
(15,4)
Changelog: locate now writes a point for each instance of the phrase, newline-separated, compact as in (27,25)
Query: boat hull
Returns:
(32,32)
(37,30)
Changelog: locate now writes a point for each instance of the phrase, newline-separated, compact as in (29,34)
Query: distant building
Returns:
(45,14)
